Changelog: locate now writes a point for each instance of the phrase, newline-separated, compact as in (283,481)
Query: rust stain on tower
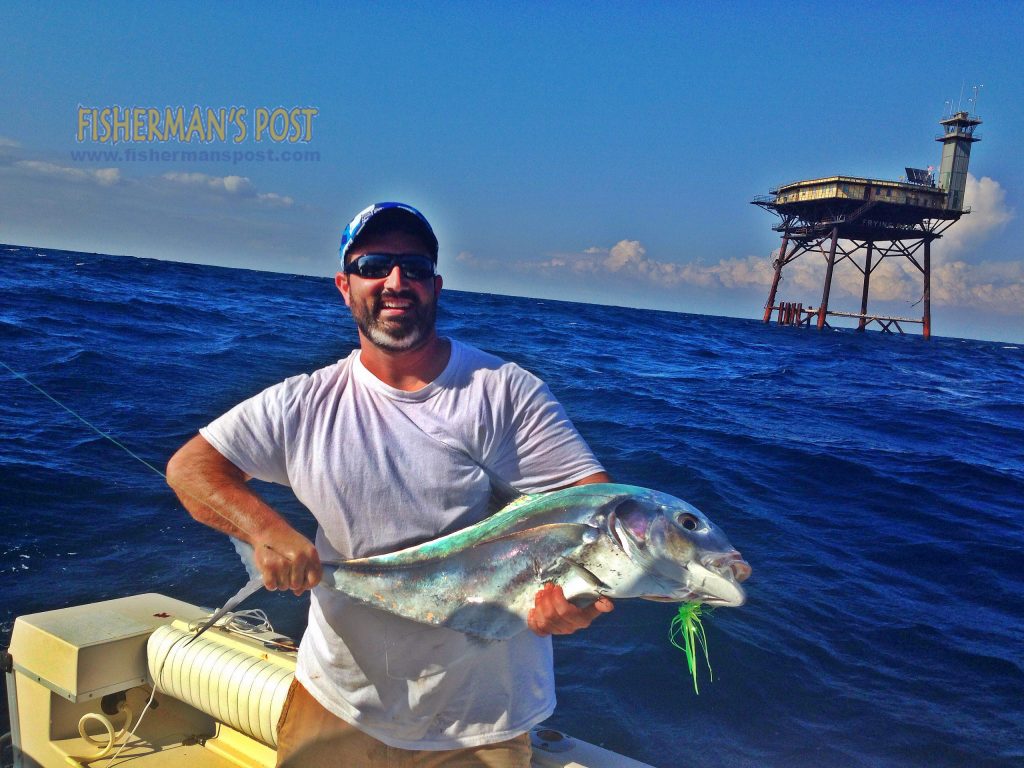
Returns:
(865,221)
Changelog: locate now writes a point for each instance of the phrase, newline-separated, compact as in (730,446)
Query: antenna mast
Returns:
(977,93)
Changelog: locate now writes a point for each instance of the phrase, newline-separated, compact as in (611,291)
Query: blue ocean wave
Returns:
(874,483)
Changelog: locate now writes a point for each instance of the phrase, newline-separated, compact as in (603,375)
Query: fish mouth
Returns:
(733,561)
(716,580)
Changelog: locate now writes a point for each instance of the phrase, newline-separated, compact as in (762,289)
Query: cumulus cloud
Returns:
(235,186)
(103,176)
(995,285)
(629,258)
(628,254)
(986,198)
(107,176)
(232,185)
(485,263)
(272,198)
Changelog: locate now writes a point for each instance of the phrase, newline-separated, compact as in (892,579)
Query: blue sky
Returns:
(591,152)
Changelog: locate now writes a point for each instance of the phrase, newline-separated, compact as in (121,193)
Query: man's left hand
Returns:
(552,614)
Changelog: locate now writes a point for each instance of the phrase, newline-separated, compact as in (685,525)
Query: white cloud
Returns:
(488,263)
(107,176)
(235,186)
(272,198)
(627,254)
(989,212)
(232,185)
(997,286)
(103,176)
(629,259)
(5,142)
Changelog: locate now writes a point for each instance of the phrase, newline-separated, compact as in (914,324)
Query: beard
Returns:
(395,334)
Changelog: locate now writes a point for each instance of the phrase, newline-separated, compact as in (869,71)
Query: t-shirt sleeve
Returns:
(542,449)
(254,435)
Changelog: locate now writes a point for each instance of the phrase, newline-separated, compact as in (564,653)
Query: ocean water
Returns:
(875,484)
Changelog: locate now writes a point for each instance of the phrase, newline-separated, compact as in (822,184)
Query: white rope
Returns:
(106,744)
(145,709)
(252,621)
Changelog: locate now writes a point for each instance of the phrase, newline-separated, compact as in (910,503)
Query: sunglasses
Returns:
(374,266)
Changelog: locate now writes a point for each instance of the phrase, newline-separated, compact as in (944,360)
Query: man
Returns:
(378,447)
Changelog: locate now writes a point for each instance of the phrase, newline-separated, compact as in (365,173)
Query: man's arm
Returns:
(215,493)
(552,614)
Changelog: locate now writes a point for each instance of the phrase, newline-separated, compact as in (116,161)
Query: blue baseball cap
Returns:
(386,217)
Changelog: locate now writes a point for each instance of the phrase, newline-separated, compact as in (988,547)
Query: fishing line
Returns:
(131,453)
(90,425)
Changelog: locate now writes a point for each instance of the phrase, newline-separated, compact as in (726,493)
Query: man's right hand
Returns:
(287,559)
(214,492)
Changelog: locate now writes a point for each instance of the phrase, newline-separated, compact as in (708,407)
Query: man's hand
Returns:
(552,614)
(287,559)
(214,492)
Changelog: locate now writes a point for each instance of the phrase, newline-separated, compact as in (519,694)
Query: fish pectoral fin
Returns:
(585,574)
(580,586)
(562,568)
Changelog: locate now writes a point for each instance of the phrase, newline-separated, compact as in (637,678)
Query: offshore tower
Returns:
(865,221)
(956,154)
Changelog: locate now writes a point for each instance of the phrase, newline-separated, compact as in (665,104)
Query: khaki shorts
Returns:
(308,736)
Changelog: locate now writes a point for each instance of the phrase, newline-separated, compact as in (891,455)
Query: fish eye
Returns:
(688,521)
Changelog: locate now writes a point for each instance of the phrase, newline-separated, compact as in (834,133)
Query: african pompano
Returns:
(601,539)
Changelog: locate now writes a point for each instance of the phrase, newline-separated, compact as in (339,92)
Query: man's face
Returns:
(393,312)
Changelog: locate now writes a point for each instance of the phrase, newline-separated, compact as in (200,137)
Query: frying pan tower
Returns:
(865,221)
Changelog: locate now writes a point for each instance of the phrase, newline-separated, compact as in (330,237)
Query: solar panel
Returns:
(919,176)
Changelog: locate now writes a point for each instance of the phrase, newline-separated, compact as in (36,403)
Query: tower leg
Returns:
(864,295)
(828,278)
(775,280)
(927,319)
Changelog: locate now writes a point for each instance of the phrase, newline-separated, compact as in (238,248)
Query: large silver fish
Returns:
(601,539)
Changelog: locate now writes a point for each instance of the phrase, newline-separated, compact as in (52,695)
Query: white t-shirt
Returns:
(372,465)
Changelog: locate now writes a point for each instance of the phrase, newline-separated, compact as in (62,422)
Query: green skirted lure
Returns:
(685,633)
